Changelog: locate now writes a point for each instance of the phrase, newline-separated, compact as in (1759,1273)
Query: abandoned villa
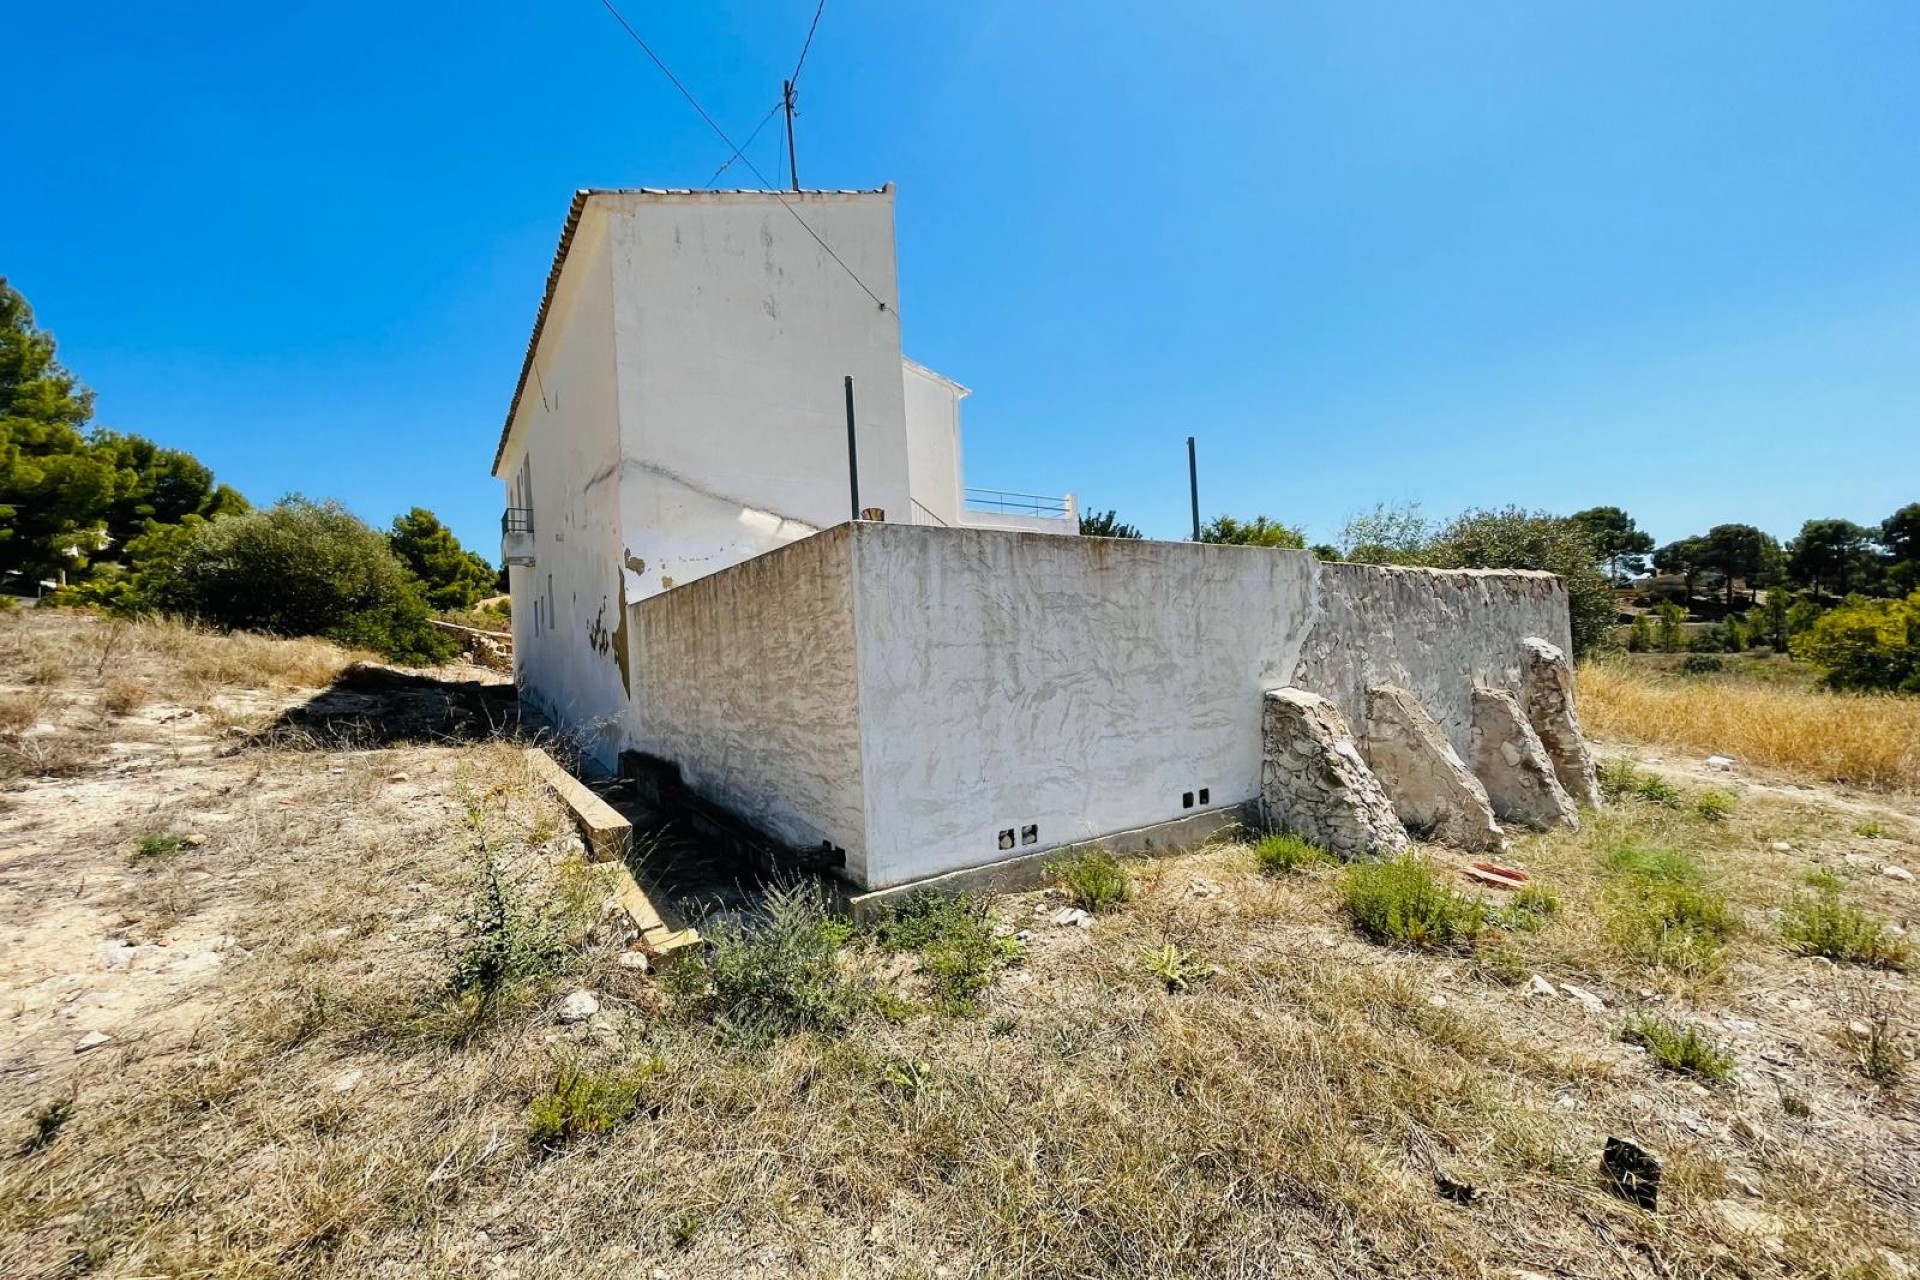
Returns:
(740,542)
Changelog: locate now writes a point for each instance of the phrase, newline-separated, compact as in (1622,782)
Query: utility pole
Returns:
(786,98)
(1193,486)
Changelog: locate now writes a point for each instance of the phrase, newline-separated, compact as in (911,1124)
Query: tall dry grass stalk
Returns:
(1861,739)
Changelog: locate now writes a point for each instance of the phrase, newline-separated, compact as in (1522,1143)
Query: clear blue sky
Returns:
(1660,255)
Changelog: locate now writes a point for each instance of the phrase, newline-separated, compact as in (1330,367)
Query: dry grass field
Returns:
(337,984)
(1863,740)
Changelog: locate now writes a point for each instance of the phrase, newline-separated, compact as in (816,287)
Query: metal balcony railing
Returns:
(1006,502)
(516,520)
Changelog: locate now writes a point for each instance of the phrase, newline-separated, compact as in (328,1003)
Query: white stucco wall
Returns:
(734,331)
(566,606)
(746,679)
(933,445)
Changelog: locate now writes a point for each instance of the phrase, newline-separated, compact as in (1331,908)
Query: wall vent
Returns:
(1006,837)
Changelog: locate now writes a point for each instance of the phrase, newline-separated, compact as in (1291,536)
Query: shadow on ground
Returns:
(371,706)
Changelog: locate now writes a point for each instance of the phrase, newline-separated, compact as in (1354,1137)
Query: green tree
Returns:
(1831,557)
(454,577)
(299,568)
(1672,626)
(1867,644)
(1517,539)
(1900,539)
(1740,551)
(1617,540)
(1640,635)
(1772,620)
(1396,534)
(1258,532)
(1107,524)
(1683,558)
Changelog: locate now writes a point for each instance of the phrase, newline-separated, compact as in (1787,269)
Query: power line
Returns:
(813,27)
(764,122)
(740,155)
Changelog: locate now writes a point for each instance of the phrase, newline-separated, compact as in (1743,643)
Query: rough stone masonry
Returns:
(1363,796)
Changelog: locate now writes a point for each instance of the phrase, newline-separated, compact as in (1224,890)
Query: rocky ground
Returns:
(240,893)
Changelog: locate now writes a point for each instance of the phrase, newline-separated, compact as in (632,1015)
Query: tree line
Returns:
(92,516)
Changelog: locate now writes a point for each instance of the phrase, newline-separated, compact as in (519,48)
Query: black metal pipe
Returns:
(1193,485)
(853,452)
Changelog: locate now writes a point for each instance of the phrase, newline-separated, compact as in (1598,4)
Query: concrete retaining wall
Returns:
(933,699)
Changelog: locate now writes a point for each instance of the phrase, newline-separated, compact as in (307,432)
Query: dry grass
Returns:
(329,1101)
(1857,739)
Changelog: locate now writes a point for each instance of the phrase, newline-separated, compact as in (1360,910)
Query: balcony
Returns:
(1027,512)
(516,536)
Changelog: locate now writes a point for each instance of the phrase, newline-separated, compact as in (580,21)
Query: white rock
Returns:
(1723,763)
(91,1040)
(1068,917)
(1592,1002)
(635,960)
(1898,873)
(579,1006)
(1742,1025)
(1859,1030)
(346,1080)
(1437,1001)
(1782,846)
(1539,986)
(1023,935)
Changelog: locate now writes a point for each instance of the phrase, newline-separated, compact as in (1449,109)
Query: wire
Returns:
(768,119)
(813,27)
(741,156)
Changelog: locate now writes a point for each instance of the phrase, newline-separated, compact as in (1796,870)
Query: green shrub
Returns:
(1714,806)
(1824,880)
(581,1103)
(1640,635)
(1866,644)
(1822,925)
(1702,663)
(160,844)
(956,941)
(1517,539)
(773,975)
(501,941)
(1623,780)
(1661,914)
(1285,852)
(1093,879)
(1177,968)
(301,568)
(1680,1048)
(1530,909)
(1402,900)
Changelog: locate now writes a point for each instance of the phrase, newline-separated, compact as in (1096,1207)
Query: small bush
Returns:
(1866,644)
(1822,925)
(20,711)
(124,697)
(160,844)
(1284,853)
(1177,968)
(582,1103)
(1824,880)
(1623,780)
(1680,1048)
(1702,664)
(1661,913)
(502,942)
(1093,879)
(1871,830)
(1714,806)
(1403,900)
(1878,1056)
(1530,908)
(958,946)
(777,974)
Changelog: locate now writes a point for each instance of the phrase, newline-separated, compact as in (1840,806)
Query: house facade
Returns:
(684,406)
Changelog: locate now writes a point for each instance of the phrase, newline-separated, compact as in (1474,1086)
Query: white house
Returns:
(920,680)
(683,406)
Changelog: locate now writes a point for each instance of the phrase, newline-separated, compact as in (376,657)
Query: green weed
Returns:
(1680,1048)
(1823,925)
(1177,968)
(1529,909)
(583,1103)
(1661,913)
(160,844)
(1284,853)
(1623,780)
(1714,806)
(1403,900)
(777,974)
(1093,879)
(954,936)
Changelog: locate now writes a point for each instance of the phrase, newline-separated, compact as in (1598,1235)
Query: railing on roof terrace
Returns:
(1007,503)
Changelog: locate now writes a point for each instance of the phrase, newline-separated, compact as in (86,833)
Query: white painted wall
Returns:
(567,608)
(734,331)
(746,679)
(933,445)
